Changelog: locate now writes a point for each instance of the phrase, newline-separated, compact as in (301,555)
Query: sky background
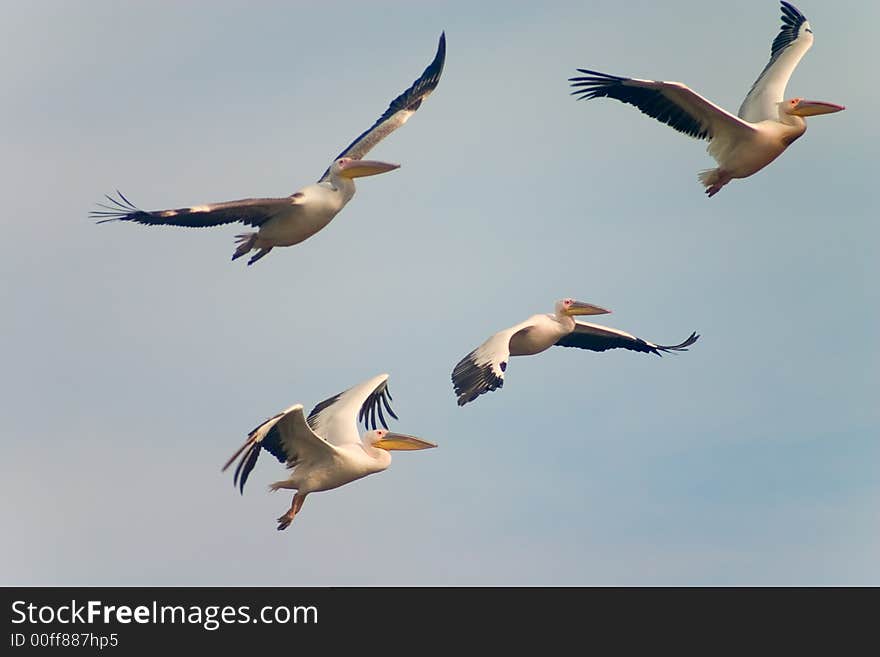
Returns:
(135,359)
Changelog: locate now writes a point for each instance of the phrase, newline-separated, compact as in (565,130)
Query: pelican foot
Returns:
(284,521)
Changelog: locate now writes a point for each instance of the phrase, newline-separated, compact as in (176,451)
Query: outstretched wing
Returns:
(672,103)
(601,338)
(336,419)
(252,211)
(482,370)
(286,436)
(793,41)
(400,109)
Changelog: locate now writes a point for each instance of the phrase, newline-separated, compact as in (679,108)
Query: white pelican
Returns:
(743,144)
(292,219)
(483,369)
(325,451)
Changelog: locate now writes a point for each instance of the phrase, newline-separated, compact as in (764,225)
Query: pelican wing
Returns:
(793,41)
(286,436)
(337,418)
(601,338)
(672,103)
(400,109)
(482,370)
(251,211)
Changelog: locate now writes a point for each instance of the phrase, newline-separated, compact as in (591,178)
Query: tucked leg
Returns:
(259,254)
(722,179)
(246,242)
(285,520)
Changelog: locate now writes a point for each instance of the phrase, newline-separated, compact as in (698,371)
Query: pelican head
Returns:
(388,440)
(347,167)
(802,107)
(572,307)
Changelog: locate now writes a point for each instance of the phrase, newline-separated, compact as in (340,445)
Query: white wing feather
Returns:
(287,436)
(793,41)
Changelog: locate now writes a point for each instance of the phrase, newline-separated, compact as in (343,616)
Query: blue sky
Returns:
(136,359)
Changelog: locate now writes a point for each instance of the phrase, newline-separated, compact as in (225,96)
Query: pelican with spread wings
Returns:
(325,450)
(292,219)
(741,145)
(483,369)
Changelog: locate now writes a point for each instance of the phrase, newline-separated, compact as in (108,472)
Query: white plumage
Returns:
(325,450)
(741,145)
(483,369)
(292,219)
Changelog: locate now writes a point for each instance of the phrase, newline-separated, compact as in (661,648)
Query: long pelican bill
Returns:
(401,441)
(361,168)
(581,308)
(815,107)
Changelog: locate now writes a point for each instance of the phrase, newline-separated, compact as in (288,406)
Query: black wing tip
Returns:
(245,464)
(372,406)
(792,20)
(431,74)
(467,399)
(650,101)
(598,74)
(593,84)
(386,398)
(427,81)
(596,77)
(682,346)
(440,56)
(120,209)
(470,380)
(467,396)
(791,12)
(410,99)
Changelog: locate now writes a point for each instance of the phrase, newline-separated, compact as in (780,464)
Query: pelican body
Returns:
(483,369)
(292,219)
(742,145)
(310,209)
(325,450)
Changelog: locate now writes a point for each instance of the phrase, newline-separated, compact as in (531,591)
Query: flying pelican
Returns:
(741,145)
(483,369)
(293,219)
(325,451)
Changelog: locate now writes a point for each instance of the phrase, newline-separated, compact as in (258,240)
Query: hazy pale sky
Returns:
(136,359)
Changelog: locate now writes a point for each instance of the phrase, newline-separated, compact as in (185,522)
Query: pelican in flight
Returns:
(483,369)
(741,145)
(292,219)
(325,450)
